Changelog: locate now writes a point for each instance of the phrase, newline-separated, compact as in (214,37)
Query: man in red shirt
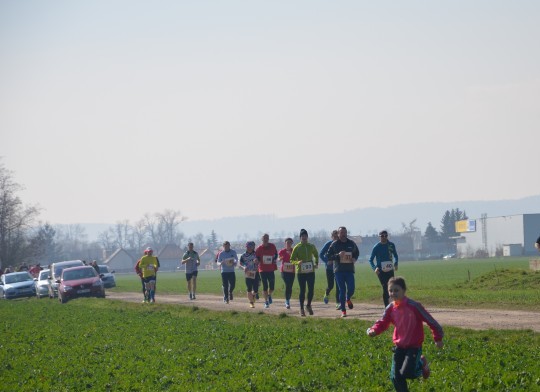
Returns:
(267,255)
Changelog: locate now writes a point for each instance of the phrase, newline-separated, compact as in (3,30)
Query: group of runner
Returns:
(259,264)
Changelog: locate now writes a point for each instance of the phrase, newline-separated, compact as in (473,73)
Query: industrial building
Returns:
(512,235)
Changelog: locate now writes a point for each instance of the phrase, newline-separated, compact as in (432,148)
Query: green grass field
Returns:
(473,283)
(105,345)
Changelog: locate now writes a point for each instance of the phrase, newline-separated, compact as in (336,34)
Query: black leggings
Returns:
(384,277)
(288,278)
(330,280)
(405,365)
(228,281)
(308,278)
(268,279)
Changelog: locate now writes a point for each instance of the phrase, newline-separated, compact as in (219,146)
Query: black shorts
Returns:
(189,276)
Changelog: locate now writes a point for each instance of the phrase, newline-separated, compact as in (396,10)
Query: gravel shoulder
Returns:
(478,319)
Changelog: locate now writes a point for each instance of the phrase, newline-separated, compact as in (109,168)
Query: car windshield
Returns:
(58,270)
(17,278)
(79,274)
(44,275)
(103,269)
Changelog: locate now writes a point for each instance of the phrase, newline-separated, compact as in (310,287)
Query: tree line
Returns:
(25,239)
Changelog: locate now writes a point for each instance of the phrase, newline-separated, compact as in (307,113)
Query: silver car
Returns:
(42,283)
(107,276)
(17,284)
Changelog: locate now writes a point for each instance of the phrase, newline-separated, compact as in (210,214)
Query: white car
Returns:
(42,283)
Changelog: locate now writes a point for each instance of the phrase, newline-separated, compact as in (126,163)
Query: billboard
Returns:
(466,226)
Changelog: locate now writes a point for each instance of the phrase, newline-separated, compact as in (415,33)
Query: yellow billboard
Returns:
(465,226)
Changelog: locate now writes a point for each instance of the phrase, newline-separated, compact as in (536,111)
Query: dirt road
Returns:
(479,319)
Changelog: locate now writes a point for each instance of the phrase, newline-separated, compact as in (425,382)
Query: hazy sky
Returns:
(112,109)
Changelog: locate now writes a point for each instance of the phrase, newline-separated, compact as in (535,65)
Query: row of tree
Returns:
(24,240)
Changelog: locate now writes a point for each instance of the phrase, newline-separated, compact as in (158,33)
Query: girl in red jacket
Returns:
(408,317)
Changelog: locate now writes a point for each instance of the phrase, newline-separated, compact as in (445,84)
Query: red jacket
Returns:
(408,318)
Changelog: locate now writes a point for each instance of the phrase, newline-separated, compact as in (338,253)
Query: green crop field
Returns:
(102,345)
(505,283)
(106,345)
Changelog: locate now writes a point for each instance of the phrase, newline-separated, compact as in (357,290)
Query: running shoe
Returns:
(251,305)
(344,314)
(425,367)
(269,299)
(325,299)
(302,313)
(225,300)
(309,310)
(230,296)
(190,296)
(144,301)
(266,305)
(349,304)
(152,301)
(287,305)
(194,296)
(338,306)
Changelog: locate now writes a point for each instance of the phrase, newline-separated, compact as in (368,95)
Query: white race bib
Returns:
(150,267)
(306,267)
(387,266)
(347,258)
(250,274)
(268,259)
(288,267)
(229,262)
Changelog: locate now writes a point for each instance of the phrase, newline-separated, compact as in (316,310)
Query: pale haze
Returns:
(113,109)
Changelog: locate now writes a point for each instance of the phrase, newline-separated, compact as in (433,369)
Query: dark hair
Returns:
(397,280)
(190,243)
(289,239)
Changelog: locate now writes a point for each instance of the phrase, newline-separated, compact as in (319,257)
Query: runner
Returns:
(192,261)
(227,260)
(306,259)
(138,271)
(287,270)
(267,256)
(383,252)
(408,317)
(248,262)
(344,254)
(330,276)
(149,267)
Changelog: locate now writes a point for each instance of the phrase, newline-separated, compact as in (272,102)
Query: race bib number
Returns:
(229,262)
(347,258)
(288,267)
(306,267)
(387,266)
(150,267)
(267,259)
(250,274)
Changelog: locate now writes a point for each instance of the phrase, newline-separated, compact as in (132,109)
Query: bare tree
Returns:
(15,219)
(138,235)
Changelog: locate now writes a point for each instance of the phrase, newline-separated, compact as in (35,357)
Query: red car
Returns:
(80,282)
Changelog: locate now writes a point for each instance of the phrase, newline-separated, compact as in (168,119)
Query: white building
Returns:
(498,236)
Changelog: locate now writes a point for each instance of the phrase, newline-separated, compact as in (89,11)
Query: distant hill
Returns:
(362,221)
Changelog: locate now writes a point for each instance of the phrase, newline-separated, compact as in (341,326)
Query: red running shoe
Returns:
(349,304)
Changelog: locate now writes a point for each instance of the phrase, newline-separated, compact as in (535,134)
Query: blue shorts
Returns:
(189,276)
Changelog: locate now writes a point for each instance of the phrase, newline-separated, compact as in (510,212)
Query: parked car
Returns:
(56,272)
(42,283)
(79,282)
(107,276)
(449,256)
(17,284)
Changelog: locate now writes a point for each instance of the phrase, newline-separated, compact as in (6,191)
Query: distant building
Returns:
(510,235)
(121,261)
